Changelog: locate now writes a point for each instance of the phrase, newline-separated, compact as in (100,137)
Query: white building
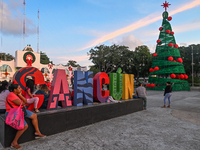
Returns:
(22,59)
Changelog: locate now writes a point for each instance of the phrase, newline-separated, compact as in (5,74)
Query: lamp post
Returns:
(192,68)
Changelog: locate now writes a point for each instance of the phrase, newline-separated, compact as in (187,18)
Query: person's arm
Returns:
(18,102)
(22,98)
(136,93)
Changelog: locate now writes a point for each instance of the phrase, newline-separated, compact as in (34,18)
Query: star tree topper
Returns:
(165,5)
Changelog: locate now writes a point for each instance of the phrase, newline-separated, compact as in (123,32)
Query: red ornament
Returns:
(177,76)
(70,68)
(185,76)
(160,28)
(151,69)
(67,75)
(176,45)
(181,76)
(155,54)
(158,41)
(152,85)
(167,31)
(45,75)
(170,44)
(50,66)
(173,76)
(179,60)
(6,73)
(170,58)
(169,18)
(156,68)
(172,32)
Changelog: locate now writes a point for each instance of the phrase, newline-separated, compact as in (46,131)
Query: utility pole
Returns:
(38,33)
(1,28)
(24,3)
(192,68)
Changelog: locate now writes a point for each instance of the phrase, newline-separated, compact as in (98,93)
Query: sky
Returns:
(68,29)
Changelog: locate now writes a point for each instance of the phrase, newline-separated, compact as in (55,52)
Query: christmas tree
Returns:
(167,63)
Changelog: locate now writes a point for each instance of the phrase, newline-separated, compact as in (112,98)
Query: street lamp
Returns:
(192,68)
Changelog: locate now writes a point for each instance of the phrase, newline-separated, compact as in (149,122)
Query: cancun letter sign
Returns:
(59,90)
(116,84)
(83,88)
(128,86)
(99,94)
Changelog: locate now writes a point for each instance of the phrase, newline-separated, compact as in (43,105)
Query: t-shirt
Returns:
(3,96)
(141,91)
(26,95)
(11,97)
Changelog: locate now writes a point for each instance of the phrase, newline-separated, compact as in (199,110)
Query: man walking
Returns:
(142,93)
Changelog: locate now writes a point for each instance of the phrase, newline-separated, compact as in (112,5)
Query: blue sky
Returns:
(70,28)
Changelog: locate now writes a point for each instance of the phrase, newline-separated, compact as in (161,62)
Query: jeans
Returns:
(144,101)
(167,95)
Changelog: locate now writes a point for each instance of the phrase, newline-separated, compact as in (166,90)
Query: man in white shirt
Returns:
(142,93)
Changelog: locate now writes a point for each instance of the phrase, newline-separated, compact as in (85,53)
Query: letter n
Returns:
(128,86)
(59,90)
(83,88)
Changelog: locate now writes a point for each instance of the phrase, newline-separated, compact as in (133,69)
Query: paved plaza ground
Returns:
(175,128)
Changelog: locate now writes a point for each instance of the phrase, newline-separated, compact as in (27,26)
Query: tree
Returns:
(142,60)
(6,57)
(187,58)
(167,61)
(94,69)
(72,63)
(44,59)
(108,58)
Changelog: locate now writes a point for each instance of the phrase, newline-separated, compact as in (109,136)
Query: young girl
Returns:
(29,96)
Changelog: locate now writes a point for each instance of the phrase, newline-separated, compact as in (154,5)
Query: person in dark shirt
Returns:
(167,94)
(44,90)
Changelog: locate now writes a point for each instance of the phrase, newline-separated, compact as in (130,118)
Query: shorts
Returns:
(29,114)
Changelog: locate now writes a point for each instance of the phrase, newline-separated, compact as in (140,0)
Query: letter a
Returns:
(59,90)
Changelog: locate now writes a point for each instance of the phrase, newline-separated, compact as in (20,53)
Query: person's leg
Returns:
(166,95)
(34,100)
(17,136)
(33,116)
(145,102)
(169,99)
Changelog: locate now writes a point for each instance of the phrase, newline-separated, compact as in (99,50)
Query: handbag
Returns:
(15,118)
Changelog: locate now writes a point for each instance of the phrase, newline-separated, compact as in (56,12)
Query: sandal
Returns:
(36,111)
(40,136)
(16,146)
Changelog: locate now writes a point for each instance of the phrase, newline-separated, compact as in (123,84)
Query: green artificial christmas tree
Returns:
(167,63)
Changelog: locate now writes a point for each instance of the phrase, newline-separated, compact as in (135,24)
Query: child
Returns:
(44,90)
(29,96)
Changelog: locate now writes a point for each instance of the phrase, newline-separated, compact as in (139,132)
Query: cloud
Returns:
(12,19)
(177,29)
(68,57)
(136,25)
(130,40)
